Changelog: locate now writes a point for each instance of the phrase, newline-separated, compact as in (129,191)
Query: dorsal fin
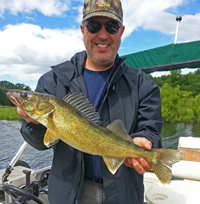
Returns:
(82,104)
(118,127)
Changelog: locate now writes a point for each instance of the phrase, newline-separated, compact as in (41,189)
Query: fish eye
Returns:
(23,94)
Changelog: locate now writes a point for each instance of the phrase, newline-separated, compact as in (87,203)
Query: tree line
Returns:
(180,95)
(4,86)
(189,82)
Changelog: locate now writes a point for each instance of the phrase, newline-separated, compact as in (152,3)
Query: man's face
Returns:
(102,46)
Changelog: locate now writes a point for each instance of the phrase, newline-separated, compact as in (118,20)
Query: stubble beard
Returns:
(101,61)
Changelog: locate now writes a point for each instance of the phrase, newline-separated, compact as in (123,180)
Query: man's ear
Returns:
(122,30)
(82,28)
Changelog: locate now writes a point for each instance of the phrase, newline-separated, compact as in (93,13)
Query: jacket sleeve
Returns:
(33,134)
(149,120)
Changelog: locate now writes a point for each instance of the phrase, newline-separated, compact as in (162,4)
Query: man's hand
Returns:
(25,116)
(140,165)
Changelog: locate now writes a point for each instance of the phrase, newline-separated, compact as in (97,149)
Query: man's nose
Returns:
(103,34)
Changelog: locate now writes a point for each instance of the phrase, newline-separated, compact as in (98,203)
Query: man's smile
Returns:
(102,46)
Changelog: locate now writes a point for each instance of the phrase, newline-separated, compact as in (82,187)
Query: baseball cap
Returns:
(106,8)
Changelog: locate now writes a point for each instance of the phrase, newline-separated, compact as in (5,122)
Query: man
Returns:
(118,92)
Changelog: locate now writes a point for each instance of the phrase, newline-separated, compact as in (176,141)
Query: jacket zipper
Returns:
(114,83)
(108,86)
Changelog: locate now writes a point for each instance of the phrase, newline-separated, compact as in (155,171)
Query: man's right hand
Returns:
(25,116)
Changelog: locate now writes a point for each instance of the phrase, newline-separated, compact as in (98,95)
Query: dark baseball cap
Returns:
(106,8)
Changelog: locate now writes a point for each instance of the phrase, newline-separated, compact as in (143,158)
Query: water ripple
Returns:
(11,141)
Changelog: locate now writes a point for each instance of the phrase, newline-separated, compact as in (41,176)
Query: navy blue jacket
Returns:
(130,95)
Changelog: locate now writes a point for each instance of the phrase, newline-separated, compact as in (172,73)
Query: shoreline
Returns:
(9,113)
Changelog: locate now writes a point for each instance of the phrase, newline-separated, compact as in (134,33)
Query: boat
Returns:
(22,184)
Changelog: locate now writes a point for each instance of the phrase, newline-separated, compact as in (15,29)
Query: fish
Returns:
(75,121)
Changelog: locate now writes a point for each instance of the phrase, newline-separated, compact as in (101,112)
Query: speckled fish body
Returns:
(74,121)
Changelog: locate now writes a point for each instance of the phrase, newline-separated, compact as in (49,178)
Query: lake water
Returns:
(171,132)
(11,141)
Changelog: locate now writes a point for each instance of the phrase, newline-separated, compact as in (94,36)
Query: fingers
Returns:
(145,164)
(21,113)
(25,116)
(140,165)
(135,164)
(143,142)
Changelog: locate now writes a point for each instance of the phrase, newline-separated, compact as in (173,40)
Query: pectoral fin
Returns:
(50,138)
(113,163)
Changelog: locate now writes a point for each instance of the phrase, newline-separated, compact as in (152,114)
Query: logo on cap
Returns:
(103,3)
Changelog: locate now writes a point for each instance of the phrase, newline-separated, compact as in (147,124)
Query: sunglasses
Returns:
(111,27)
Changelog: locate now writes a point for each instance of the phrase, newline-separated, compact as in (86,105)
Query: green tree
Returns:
(22,87)
(4,86)
(169,102)
(4,100)
(196,107)
(7,84)
(176,104)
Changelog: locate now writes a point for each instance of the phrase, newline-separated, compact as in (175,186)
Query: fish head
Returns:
(32,103)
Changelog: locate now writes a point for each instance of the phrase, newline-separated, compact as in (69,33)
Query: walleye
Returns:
(74,121)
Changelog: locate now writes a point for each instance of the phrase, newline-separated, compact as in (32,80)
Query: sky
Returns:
(37,34)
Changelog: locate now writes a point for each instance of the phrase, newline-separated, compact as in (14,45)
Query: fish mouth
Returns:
(14,97)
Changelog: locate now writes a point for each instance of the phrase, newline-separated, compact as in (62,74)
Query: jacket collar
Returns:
(68,70)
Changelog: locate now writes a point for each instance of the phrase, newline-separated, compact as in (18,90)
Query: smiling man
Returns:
(101,46)
(117,92)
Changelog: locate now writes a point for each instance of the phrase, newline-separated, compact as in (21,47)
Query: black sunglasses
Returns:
(111,27)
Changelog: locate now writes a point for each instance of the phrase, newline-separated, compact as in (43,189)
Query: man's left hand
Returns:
(140,165)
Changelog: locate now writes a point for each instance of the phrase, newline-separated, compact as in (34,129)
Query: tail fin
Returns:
(162,162)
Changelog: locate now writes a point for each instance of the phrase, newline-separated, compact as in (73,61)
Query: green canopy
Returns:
(165,58)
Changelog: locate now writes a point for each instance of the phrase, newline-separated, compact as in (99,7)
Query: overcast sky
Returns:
(37,34)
